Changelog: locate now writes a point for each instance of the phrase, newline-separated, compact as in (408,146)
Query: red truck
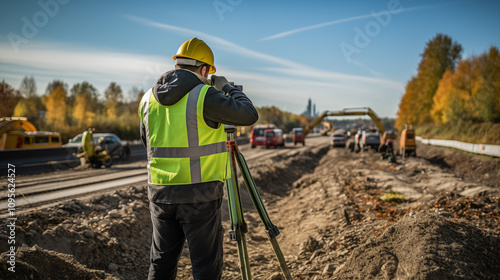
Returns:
(274,138)
(257,137)
(298,136)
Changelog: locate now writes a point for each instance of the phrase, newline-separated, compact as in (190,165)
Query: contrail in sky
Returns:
(290,32)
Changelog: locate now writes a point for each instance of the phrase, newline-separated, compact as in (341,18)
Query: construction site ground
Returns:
(341,215)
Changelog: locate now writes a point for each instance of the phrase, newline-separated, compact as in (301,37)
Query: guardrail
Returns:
(30,156)
(482,149)
(58,157)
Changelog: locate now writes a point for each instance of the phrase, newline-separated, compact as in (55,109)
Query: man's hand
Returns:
(219,82)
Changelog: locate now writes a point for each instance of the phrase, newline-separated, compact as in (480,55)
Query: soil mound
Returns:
(110,232)
(426,246)
(35,263)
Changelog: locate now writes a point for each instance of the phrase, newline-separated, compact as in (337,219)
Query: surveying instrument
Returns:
(238,225)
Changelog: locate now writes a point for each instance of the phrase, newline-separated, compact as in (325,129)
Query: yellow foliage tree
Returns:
(56,109)
(406,113)
(488,86)
(21,109)
(441,53)
(82,113)
(472,93)
(442,99)
(85,103)
(113,96)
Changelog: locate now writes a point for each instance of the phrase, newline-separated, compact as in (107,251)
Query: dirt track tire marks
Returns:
(31,193)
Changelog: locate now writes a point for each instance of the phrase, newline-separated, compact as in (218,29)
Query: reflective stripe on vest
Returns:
(182,148)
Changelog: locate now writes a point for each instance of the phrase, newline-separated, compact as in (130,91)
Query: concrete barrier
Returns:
(482,149)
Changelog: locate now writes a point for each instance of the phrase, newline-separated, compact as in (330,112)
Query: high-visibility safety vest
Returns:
(182,148)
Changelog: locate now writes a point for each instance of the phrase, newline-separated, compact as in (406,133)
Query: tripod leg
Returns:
(238,225)
(272,230)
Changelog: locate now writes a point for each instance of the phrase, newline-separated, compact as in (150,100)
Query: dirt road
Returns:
(440,220)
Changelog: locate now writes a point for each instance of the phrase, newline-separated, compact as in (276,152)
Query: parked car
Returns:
(370,139)
(337,139)
(274,138)
(108,141)
(257,137)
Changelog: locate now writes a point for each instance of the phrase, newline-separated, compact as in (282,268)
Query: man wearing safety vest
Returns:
(182,127)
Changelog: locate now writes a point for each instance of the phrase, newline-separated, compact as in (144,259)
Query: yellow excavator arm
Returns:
(346,112)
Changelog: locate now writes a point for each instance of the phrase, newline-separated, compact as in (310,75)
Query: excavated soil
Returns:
(440,221)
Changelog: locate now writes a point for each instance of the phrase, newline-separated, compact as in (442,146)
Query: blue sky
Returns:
(340,54)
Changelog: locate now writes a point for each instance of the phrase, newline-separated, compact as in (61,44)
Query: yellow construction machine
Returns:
(327,128)
(347,112)
(19,133)
(407,143)
(92,153)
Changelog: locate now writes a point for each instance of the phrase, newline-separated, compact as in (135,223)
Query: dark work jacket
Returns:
(230,107)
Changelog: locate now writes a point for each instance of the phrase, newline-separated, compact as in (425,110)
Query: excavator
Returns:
(346,112)
(328,127)
(353,145)
(19,133)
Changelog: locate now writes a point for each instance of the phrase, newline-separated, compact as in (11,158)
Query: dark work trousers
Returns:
(200,224)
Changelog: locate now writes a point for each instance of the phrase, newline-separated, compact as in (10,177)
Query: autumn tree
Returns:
(113,97)
(9,98)
(441,54)
(22,108)
(85,104)
(52,86)
(28,87)
(284,120)
(472,93)
(30,105)
(56,109)
(406,110)
(442,110)
(135,95)
(487,96)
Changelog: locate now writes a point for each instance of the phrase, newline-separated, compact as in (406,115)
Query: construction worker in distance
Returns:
(182,127)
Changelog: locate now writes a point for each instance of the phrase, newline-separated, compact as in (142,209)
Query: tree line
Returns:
(448,90)
(71,111)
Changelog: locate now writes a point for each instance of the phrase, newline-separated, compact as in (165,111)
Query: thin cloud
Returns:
(302,29)
(51,56)
(48,61)
(292,67)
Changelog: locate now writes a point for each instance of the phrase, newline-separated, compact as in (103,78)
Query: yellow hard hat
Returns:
(198,50)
